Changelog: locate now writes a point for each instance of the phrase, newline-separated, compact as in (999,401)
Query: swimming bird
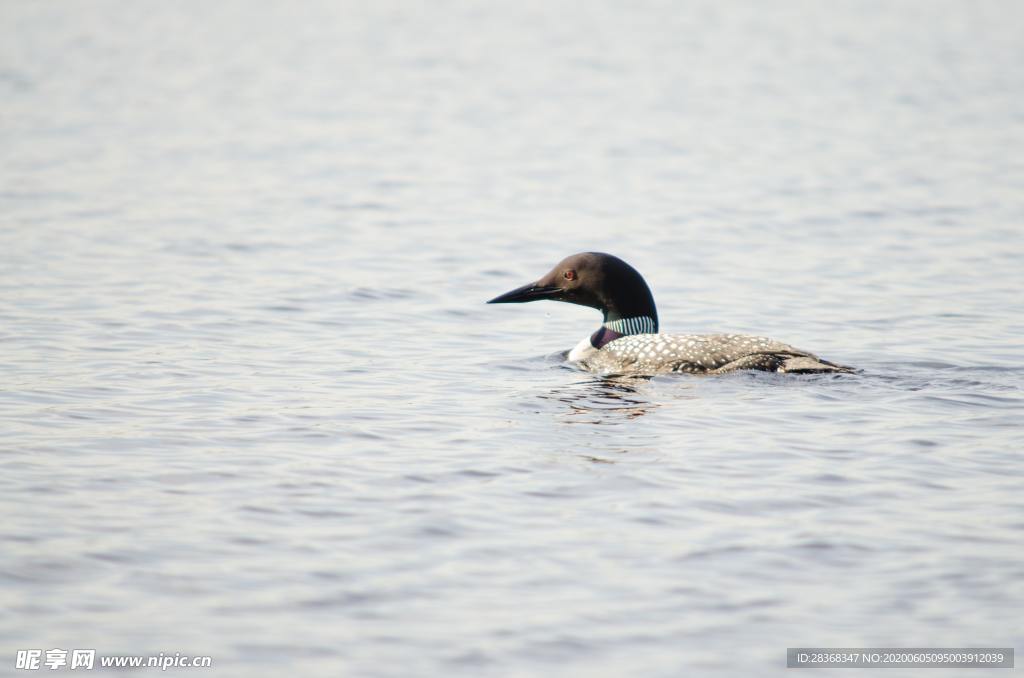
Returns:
(628,341)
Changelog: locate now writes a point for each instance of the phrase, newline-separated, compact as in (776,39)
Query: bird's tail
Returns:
(811,365)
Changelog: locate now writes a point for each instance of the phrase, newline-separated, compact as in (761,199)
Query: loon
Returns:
(628,341)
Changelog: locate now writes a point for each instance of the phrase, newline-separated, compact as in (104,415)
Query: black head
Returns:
(592,279)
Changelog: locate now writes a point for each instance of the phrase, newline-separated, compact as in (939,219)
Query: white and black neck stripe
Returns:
(623,327)
(636,325)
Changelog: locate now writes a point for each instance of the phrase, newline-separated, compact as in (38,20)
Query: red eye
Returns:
(569,275)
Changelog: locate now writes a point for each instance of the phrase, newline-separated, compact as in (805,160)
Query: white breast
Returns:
(582,350)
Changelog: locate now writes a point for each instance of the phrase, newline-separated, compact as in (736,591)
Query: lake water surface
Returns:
(252,404)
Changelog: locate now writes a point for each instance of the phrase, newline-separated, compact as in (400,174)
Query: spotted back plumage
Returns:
(702,354)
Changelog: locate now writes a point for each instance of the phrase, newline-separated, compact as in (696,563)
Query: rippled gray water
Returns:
(253,405)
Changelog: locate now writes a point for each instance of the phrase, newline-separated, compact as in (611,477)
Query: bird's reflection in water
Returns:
(603,400)
(611,403)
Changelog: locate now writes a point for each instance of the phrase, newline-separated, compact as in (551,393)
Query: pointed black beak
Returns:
(529,292)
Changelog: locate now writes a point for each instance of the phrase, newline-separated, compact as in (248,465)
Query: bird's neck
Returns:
(615,327)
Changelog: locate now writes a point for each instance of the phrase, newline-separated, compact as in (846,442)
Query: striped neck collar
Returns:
(638,325)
